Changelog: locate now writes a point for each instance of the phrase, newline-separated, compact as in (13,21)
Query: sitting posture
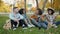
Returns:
(38,19)
(50,18)
(16,18)
(26,19)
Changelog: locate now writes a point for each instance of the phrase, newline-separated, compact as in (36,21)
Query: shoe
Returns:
(55,26)
(14,28)
(23,25)
(39,28)
(32,25)
(29,26)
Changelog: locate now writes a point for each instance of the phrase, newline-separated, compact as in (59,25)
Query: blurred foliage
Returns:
(4,7)
(7,8)
(55,4)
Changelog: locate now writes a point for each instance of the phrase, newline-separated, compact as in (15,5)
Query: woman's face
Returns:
(50,12)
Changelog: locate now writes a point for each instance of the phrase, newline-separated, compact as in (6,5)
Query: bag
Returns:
(7,25)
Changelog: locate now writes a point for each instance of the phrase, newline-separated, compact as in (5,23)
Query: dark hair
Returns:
(51,11)
(39,11)
(15,8)
(21,11)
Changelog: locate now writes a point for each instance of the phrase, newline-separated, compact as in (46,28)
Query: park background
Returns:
(30,6)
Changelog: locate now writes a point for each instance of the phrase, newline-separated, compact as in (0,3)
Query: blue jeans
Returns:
(42,24)
(57,23)
(39,24)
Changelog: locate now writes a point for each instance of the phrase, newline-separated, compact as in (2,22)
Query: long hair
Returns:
(21,11)
(39,11)
(52,11)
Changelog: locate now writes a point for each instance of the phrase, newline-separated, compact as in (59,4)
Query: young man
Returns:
(16,18)
(38,20)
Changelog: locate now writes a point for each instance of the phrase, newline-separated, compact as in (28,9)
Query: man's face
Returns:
(16,10)
(36,12)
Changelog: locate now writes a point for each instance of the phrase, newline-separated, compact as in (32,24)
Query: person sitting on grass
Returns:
(50,18)
(27,21)
(38,19)
(16,19)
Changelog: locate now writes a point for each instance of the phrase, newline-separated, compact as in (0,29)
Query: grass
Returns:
(34,30)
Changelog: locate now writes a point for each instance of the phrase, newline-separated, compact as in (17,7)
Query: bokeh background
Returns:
(7,5)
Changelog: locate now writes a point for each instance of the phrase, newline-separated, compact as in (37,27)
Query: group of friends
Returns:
(19,18)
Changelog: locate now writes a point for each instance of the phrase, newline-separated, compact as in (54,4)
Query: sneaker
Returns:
(39,28)
(23,25)
(32,25)
(14,28)
(29,26)
(13,25)
(55,26)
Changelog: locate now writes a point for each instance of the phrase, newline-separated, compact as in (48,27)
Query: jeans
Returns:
(57,23)
(39,24)
(42,24)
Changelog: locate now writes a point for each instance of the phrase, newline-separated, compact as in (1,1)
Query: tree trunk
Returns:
(59,12)
(37,3)
(44,4)
(25,5)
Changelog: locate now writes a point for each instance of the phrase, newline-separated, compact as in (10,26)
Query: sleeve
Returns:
(55,16)
(21,17)
(11,16)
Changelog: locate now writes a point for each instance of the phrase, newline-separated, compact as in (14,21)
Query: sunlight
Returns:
(9,1)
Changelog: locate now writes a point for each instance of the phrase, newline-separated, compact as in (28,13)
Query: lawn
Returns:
(34,30)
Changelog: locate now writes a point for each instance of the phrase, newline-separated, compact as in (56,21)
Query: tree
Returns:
(44,4)
(37,3)
(4,7)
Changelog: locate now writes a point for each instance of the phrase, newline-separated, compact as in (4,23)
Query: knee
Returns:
(45,26)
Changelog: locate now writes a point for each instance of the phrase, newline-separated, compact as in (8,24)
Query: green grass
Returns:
(34,30)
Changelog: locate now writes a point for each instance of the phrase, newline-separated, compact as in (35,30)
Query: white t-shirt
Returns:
(51,18)
(15,16)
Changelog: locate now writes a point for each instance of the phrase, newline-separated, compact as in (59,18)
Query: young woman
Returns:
(16,18)
(50,18)
(27,21)
(38,19)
